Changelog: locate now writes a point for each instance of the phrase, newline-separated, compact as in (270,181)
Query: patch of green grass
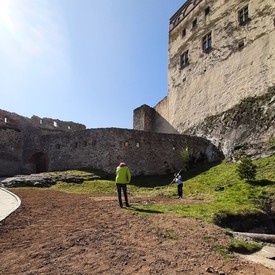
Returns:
(223,251)
(243,247)
(87,187)
(212,191)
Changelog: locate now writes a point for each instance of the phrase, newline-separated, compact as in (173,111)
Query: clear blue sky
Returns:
(87,61)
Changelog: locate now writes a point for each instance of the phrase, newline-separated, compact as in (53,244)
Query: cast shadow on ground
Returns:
(164,180)
(146,210)
(262,182)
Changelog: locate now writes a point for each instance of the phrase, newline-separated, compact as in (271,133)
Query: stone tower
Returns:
(220,52)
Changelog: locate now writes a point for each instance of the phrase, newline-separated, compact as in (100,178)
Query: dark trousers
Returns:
(180,190)
(123,187)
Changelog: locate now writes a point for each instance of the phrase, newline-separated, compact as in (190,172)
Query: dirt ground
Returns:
(58,233)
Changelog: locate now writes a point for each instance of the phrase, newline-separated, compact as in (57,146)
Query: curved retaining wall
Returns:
(9,203)
(145,152)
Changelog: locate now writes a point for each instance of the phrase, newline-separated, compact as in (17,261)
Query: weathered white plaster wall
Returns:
(216,81)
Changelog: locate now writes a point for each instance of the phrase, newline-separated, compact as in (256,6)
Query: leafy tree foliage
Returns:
(246,169)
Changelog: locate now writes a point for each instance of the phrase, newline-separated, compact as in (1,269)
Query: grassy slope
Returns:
(236,196)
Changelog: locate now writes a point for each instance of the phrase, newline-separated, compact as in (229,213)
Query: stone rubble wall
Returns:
(20,139)
(15,121)
(146,153)
(25,148)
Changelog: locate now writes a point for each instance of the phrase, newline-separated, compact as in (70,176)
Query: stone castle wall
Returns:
(145,152)
(13,120)
(240,63)
(20,139)
(220,53)
(26,149)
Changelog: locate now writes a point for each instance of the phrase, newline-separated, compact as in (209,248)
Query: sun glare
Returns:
(6,21)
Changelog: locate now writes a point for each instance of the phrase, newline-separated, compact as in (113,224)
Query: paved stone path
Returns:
(266,257)
(9,202)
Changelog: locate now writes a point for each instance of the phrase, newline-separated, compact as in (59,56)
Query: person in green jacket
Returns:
(123,176)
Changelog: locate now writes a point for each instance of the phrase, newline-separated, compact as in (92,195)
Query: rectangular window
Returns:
(243,16)
(194,23)
(184,60)
(207,11)
(207,43)
(183,33)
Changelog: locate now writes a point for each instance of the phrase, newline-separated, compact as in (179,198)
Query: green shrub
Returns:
(246,169)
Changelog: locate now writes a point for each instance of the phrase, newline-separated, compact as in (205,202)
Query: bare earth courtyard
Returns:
(59,233)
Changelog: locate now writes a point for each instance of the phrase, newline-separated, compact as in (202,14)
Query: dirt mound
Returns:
(58,233)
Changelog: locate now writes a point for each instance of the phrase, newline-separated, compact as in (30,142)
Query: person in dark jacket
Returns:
(179,183)
(123,177)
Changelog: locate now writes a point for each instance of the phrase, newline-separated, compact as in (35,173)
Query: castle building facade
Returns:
(220,52)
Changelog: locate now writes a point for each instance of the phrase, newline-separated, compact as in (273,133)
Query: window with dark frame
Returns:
(184,60)
(243,16)
(207,43)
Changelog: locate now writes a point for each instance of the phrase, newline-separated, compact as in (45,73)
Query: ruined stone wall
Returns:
(26,148)
(144,152)
(13,120)
(240,62)
(160,124)
(56,124)
(20,142)
(162,108)
(143,118)
(11,142)
(149,119)
(11,147)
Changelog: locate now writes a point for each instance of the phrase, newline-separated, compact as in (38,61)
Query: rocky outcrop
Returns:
(246,129)
(40,180)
